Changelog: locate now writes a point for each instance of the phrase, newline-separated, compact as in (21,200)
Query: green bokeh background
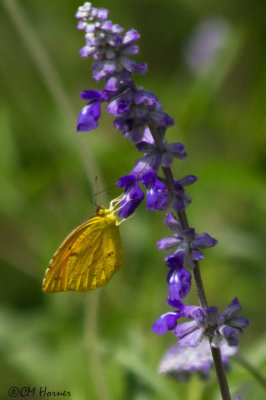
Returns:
(99,345)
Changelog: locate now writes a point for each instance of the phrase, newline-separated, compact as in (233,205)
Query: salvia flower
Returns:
(157,192)
(205,322)
(181,362)
(183,243)
(134,109)
(165,157)
(179,283)
(133,195)
(230,326)
(88,118)
(169,320)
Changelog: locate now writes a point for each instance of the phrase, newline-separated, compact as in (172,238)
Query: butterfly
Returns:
(89,256)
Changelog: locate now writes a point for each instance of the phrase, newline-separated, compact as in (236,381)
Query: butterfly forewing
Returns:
(88,257)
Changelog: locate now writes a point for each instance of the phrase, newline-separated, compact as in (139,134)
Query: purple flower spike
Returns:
(140,117)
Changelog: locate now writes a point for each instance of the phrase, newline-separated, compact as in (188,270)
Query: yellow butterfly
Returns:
(89,256)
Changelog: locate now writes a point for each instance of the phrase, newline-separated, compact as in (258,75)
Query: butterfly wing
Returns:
(88,257)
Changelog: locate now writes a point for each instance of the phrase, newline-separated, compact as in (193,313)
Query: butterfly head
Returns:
(106,213)
(101,211)
(113,209)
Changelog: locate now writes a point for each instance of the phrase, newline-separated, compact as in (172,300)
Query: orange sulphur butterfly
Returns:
(89,256)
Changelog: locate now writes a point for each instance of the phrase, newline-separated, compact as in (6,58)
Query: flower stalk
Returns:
(220,373)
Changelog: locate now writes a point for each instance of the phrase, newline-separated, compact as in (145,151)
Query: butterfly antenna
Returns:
(94,191)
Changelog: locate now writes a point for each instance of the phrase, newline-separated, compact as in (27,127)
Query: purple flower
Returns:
(191,333)
(187,242)
(149,164)
(161,119)
(207,322)
(118,82)
(131,37)
(169,320)
(231,326)
(121,105)
(149,148)
(157,192)
(134,107)
(176,259)
(165,322)
(138,113)
(89,115)
(181,362)
(181,199)
(133,195)
(179,283)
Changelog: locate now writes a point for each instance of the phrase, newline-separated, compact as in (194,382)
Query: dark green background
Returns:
(99,345)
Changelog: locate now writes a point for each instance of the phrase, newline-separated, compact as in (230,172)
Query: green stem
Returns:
(220,373)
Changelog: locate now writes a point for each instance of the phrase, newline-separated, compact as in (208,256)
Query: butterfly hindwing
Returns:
(88,257)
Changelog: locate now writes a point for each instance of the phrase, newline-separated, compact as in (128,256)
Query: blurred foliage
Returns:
(99,345)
